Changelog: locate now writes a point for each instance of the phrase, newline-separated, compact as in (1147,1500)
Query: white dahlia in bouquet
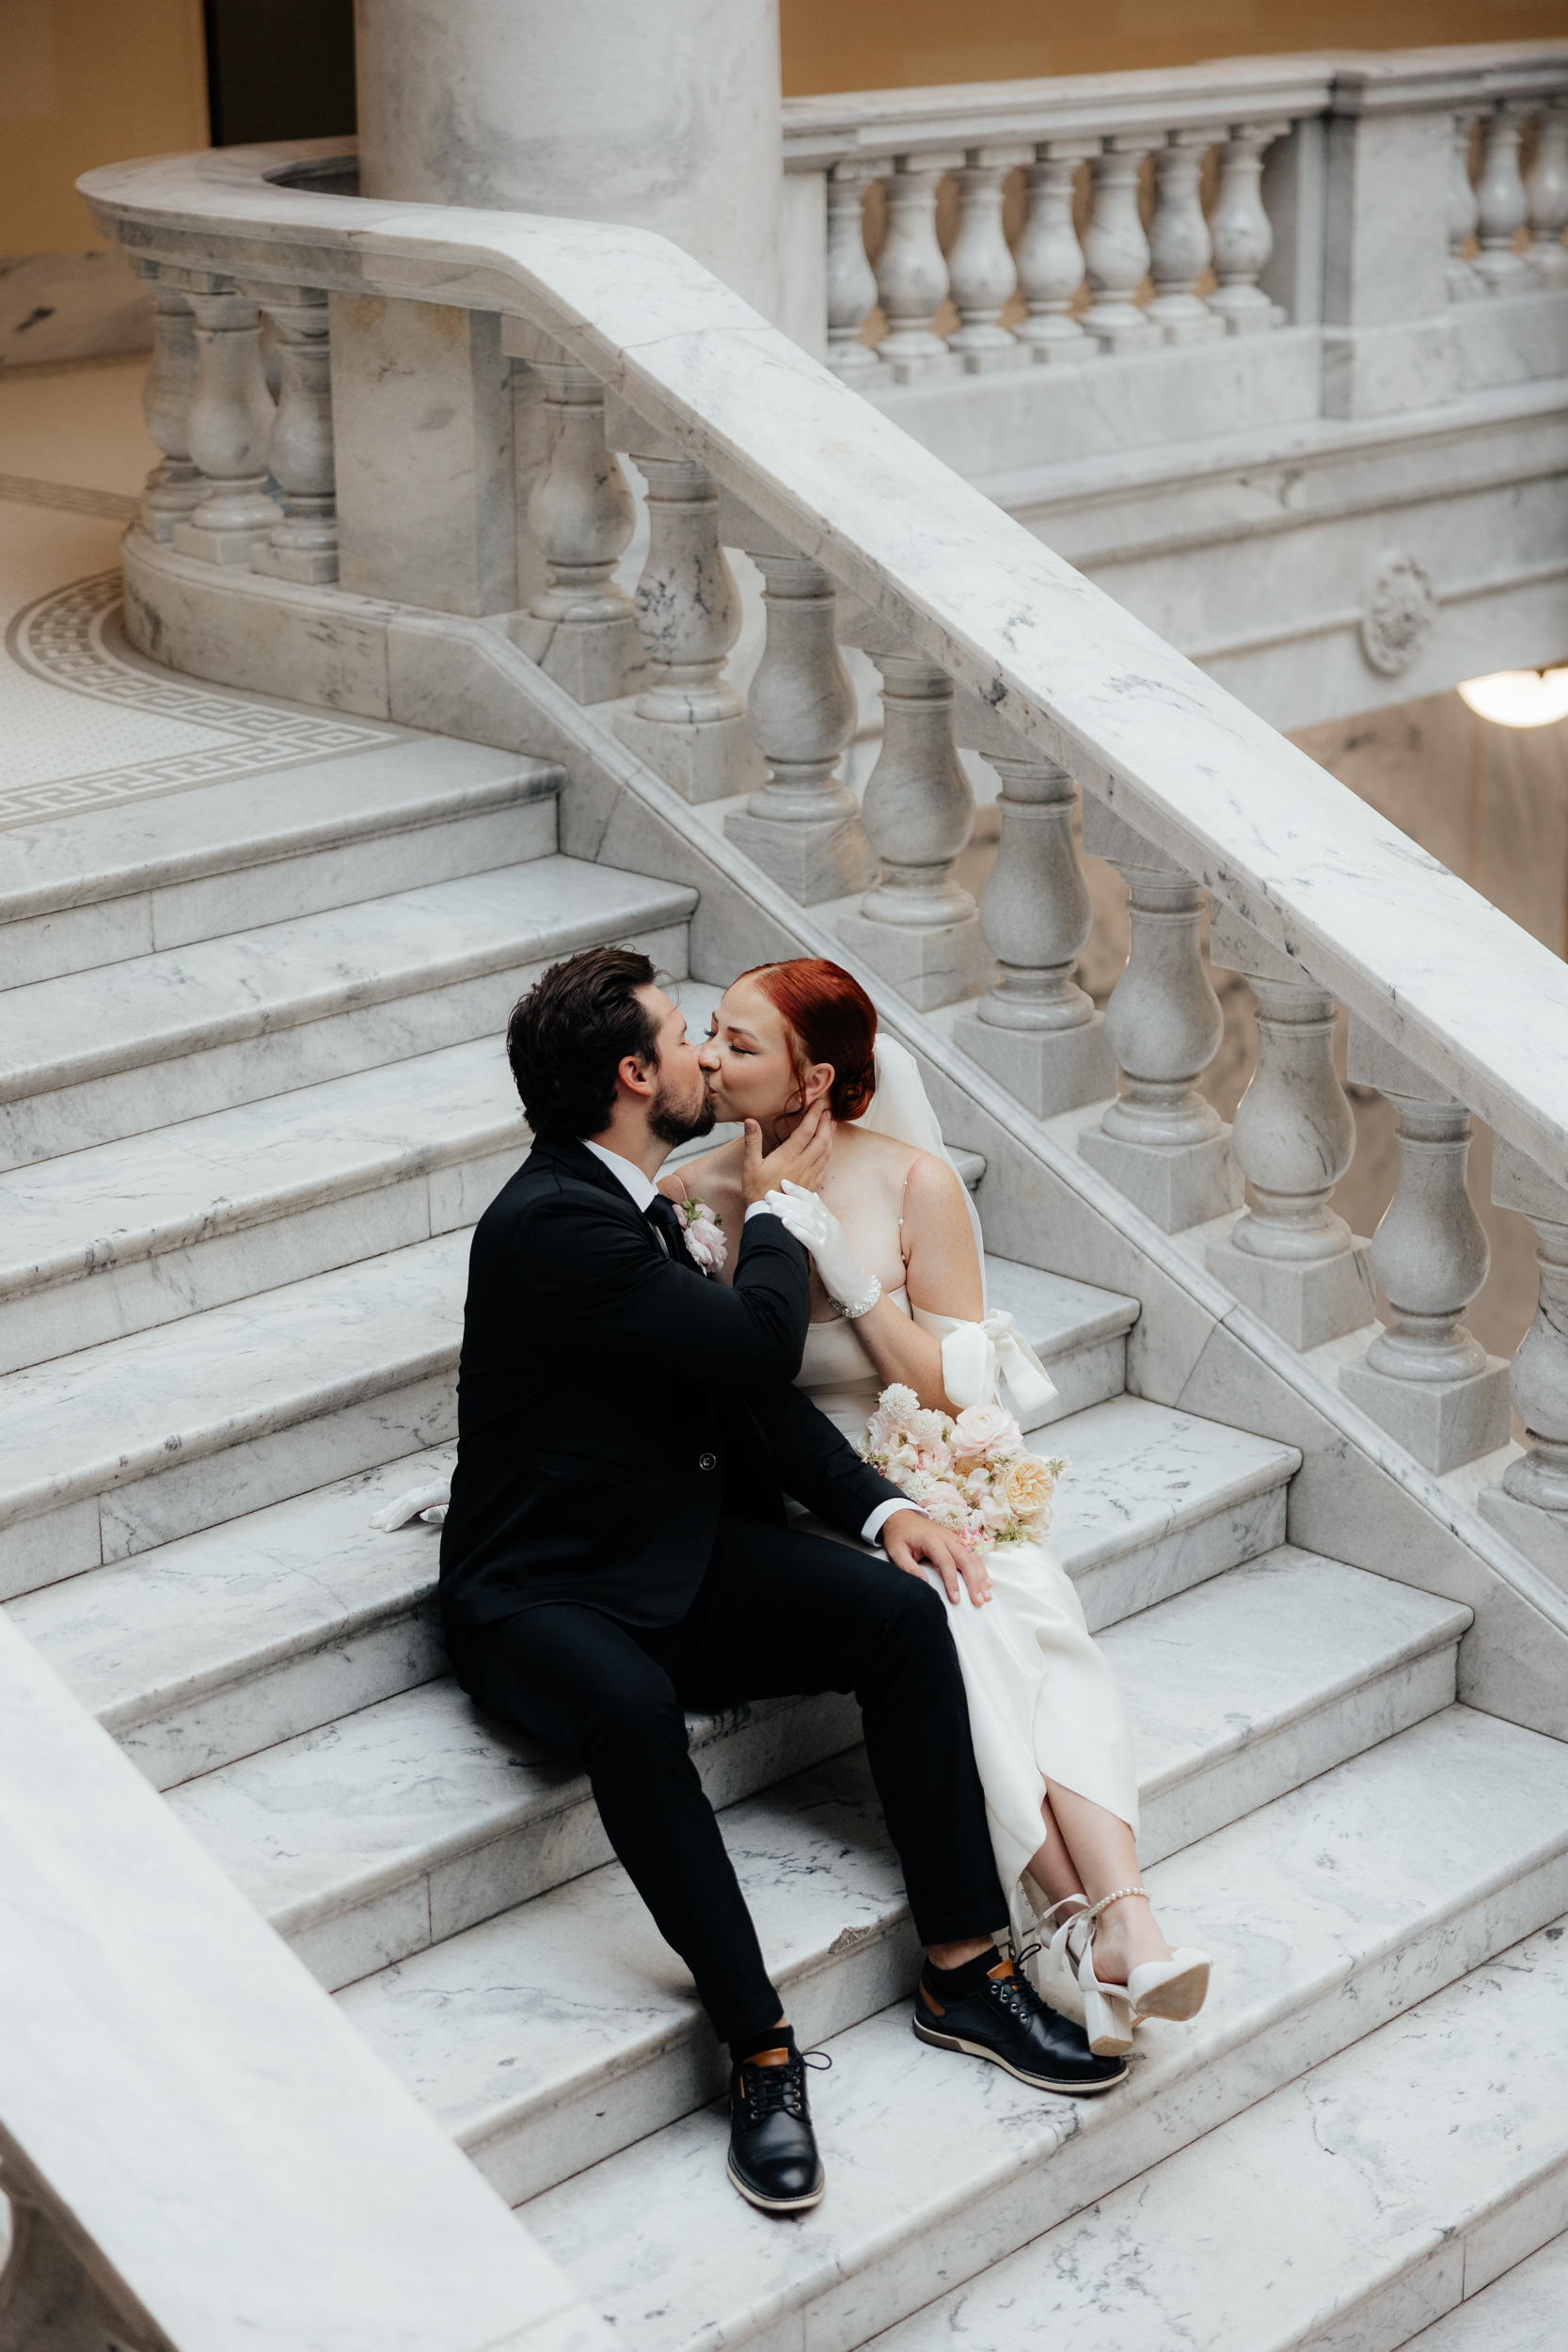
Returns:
(969,1471)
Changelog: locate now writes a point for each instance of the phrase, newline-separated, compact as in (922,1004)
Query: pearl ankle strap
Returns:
(1086,1918)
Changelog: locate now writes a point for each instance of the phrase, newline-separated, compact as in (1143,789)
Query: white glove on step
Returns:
(808,1218)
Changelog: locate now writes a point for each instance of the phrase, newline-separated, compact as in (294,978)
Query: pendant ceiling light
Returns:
(1519,698)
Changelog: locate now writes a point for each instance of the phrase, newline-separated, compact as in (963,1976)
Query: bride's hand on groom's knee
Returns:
(802,1159)
(914,1543)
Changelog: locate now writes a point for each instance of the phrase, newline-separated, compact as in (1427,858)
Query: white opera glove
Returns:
(845,1281)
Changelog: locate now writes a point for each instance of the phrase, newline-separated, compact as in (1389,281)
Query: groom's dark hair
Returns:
(568,1036)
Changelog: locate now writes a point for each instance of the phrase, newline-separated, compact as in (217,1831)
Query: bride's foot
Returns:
(1127,1936)
(1125,1950)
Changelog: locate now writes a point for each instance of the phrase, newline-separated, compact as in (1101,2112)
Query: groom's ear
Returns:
(638,1076)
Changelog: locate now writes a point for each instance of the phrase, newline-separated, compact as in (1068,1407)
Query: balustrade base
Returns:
(220,547)
(315,566)
(938,966)
(1049,1070)
(1442,1423)
(1541,1535)
(993,356)
(709,759)
(597,661)
(1176,1184)
(916,368)
(1307,1303)
(829,859)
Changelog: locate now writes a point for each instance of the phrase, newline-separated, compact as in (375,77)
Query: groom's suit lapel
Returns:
(574,1159)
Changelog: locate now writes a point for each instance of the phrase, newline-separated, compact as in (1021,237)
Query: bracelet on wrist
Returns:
(856,1308)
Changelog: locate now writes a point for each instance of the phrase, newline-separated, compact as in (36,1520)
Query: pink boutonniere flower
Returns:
(704,1234)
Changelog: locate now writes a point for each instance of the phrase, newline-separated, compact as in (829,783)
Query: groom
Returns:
(617,1549)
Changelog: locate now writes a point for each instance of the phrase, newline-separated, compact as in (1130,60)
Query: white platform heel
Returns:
(1175,1988)
(1058,1973)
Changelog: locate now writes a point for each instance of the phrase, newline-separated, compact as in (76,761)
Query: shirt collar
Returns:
(643,1188)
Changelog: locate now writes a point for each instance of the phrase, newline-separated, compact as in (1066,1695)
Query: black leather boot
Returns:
(997,2014)
(773,2160)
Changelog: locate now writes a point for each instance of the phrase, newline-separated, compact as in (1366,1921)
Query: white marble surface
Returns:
(1328,1912)
(210,2121)
(1332,2215)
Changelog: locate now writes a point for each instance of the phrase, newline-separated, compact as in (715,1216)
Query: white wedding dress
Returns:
(1043,1701)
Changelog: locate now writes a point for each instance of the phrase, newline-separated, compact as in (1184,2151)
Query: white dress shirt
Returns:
(644,1192)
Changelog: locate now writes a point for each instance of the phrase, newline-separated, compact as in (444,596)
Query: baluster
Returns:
(688,723)
(852,280)
(1037,1030)
(1179,241)
(175,487)
(917,926)
(1531,1504)
(912,275)
(1425,1378)
(231,424)
(1547,193)
(803,827)
(1501,201)
(980,268)
(304,546)
(580,627)
(1050,259)
(1464,282)
(1289,1256)
(1116,250)
(1239,226)
(1160,1142)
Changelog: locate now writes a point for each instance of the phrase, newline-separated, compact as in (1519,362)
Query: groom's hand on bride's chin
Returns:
(802,1159)
(914,1543)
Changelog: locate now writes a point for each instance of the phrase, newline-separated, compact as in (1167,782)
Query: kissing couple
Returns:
(648,1370)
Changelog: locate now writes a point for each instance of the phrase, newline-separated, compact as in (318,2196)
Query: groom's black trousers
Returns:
(778,1613)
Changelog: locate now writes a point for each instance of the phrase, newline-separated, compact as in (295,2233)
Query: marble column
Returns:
(665,118)
(1531,1503)
(688,723)
(231,424)
(918,927)
(304,546)
(1035,1030)
(912,271)
(852,281)
(1501,200)
(1289,1256)
(803,826)
(1160,1142)
(1464,280)
(580,627)
(980,269)
(1180,245)
(176,486)
(1049,260)
(1546,195)
(1116,250)
(1240,229)
(1425,1378)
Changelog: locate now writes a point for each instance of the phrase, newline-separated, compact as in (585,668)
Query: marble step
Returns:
(123,1447)
(373,1837)
(489,2027)
(105,884)
(208,1648)
(1334,1909)
(1522,2309)
(169,1036)
(153,1227)
(1390,2184)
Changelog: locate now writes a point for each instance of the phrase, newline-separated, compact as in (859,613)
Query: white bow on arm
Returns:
(974,1355)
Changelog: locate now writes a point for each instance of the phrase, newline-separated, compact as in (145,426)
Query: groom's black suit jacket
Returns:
(613,1403)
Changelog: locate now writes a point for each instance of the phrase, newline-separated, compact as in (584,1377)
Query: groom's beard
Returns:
(673,1126)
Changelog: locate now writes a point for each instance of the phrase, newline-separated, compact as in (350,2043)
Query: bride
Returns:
(898,1296)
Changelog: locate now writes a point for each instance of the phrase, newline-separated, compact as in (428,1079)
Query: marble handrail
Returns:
(1348,900)
(199,2149)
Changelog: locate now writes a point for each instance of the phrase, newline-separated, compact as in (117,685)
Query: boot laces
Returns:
(1015,1993)
(767,2090)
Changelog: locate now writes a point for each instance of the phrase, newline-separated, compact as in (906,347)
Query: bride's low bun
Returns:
(833,1020)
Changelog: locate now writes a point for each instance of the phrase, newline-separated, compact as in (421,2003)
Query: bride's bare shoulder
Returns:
(933,1189)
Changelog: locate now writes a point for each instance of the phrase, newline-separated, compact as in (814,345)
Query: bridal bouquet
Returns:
(971,1474)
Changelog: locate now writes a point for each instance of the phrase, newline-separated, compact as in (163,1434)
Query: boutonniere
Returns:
(704,1234)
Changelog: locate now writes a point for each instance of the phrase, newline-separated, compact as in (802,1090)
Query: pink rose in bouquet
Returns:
(986,1432)
(704,1234)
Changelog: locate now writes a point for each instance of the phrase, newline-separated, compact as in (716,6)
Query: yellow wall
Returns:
(888,44)
(86,82)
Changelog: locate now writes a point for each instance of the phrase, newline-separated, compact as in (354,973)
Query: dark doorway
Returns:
(279,69)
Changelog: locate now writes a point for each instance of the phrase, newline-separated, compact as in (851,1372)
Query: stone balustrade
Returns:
(1094,215)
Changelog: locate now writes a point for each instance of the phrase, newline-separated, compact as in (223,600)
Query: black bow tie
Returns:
(664,1217)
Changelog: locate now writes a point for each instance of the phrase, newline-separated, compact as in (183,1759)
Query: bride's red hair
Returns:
(833,1019)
